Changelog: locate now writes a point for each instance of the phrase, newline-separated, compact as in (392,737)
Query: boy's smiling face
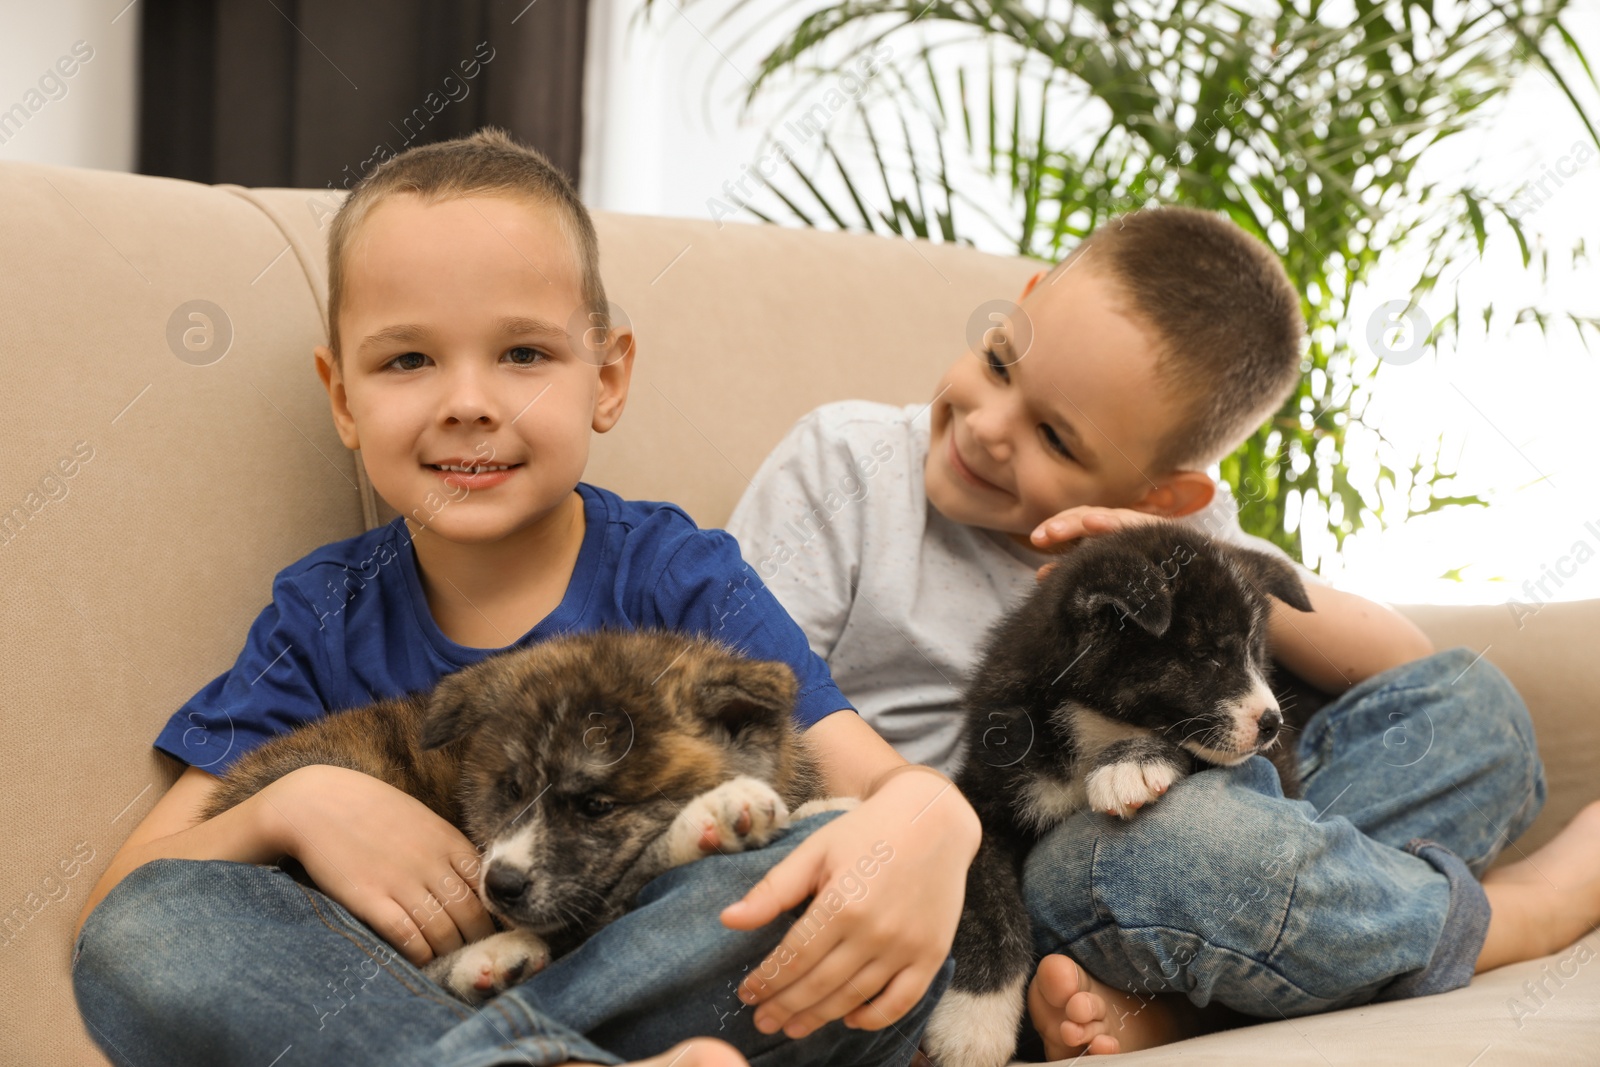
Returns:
(455,350)
(1017,436)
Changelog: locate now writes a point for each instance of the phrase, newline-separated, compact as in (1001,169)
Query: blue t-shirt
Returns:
(349,624)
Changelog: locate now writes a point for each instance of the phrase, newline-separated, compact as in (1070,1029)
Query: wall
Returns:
(87,118)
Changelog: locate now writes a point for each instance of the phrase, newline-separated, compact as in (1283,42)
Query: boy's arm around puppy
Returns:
(397,866)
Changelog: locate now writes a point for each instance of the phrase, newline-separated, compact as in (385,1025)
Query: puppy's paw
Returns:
(485,968)
(738,814)
(1123,788)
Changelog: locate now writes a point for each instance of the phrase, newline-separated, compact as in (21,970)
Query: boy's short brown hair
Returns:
(486,163)
(1227,319)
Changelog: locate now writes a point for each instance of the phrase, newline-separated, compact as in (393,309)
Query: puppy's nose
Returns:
(505,885)
(1268,725)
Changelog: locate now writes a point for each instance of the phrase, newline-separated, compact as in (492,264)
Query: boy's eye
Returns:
(521,356)
(1053,440)
(994,362)
(524,356)
(395,362)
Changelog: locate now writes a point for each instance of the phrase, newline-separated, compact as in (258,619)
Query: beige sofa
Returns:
(148,499)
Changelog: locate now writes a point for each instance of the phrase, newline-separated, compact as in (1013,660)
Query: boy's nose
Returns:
(467,398)
(988,432)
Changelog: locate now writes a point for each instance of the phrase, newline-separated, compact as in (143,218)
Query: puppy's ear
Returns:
(749,692)
(1136,596)
(1149,609)
(1274,575)
(455,708)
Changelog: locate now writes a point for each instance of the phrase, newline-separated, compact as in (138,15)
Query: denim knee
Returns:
(118,952)
(1515,767)
(1475,690)
(1484,692)
(1225,890)
(1442,748)
(1182,864)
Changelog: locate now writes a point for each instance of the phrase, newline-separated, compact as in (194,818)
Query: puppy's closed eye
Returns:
(593,806)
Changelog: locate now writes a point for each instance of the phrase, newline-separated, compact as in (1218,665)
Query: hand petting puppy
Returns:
(1059,531)
(887,879)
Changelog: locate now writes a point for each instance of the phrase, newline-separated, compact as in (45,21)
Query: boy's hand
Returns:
(406,873)
(882,934)
(1083,521)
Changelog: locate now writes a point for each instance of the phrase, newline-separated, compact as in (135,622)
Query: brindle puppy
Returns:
(581,767)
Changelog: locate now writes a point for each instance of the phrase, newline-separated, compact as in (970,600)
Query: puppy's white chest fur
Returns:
(1118,788)
(1047,800)
(1094,731)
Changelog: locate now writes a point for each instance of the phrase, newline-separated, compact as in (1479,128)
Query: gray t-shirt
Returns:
(893,595)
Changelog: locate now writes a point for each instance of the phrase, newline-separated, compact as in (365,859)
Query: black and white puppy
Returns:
(1140,657)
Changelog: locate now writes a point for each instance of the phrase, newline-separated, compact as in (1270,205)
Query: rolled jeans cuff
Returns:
(1466,925)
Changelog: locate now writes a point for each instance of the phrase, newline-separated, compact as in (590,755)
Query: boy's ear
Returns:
(616,371)
(333,381)
(1179,493)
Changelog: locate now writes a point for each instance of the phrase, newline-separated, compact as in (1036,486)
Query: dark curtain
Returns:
(317,92)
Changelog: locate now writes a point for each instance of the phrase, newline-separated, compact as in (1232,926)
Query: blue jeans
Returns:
(1365,890)
(208,961)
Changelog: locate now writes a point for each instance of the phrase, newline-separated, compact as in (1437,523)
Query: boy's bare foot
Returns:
(1068,1010)
(696,1052)
(1074,1014)
(1546,901)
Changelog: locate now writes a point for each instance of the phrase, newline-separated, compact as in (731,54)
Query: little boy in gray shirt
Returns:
(896,536)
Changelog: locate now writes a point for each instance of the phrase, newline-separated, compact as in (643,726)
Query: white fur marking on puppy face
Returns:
(1244,716)
(1217,756)
(516,851)
(1122,788)
(1260,698)
(976,1029)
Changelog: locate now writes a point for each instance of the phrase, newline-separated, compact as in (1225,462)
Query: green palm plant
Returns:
(1304,129)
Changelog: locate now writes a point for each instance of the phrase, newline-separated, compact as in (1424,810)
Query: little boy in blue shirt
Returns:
(897,535)
(456,271)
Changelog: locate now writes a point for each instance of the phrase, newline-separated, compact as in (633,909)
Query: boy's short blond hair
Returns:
(486,163)
(1226,317)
